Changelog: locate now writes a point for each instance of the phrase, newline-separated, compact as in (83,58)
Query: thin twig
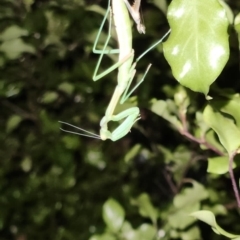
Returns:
(234,184)
(185,133)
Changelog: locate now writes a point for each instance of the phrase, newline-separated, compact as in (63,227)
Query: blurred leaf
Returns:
(180,219)
(49,97)
(66,87)
(13,32)
(48,124)
(26,164)
(146,209)
(13,122)
(209,218)
(95,158)
(128,232)
(202,126)
(14,48)
(197,48)
(56,27)
(113,215)
(181,98)
(219,165)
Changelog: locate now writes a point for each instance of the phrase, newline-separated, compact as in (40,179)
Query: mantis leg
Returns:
(104,51)
(131,115)
(154,45)
(126,95)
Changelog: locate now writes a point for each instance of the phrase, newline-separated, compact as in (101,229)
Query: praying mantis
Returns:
(126,70)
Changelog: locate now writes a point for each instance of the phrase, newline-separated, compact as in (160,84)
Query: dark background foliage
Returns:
(53,184)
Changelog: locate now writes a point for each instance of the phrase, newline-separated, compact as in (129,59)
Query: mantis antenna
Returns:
(135,13)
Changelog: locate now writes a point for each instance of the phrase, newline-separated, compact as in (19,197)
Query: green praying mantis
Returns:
(126,69)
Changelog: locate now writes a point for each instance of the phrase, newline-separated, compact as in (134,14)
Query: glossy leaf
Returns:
(190,195)
(180,218)
(66,88)
(128,233)
(209,218)
(163,109)
(192,234)
(211,138)
(229,135)
(105,236)
(49,97)
(197,48)
(147,231)
(186,202)
(113,215)
(237,23)
(132,153)
(230,106)
(219,165)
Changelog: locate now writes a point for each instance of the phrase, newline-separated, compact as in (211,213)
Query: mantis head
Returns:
(141,28)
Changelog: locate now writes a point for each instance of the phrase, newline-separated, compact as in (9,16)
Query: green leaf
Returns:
(146,209)
(164,109)
(219,165)
(13,32)
(14,48)
(192,234)
(113,215)
(209,218)
(105,236)
(26,164)
(190,195)
(132,153)
(48,124)
(161,4)
(186,202)
(229,135)
(180,218)
(28,4)
(49,97)
(66,87)
(146,231)
(13,122)
(197,48)
(128,233)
